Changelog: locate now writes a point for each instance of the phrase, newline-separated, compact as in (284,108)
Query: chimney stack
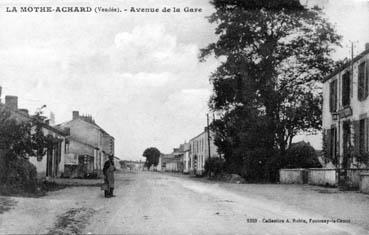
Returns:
(11,102)
(367,46)
(75,115)
(52,118)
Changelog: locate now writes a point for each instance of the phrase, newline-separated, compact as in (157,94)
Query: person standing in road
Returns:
(108,171)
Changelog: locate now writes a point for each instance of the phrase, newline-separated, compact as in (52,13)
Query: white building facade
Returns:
(346,113)
(199,151)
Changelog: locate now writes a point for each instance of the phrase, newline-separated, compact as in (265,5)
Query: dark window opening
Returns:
(346,89)
(333,144)
(362,136)
(346,143)
(362,92)
(333,96)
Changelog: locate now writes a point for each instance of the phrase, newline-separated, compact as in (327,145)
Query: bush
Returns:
(214,166)
(21,175)
(254,165)
(301,155)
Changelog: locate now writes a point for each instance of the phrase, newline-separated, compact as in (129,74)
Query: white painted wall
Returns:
(358,107)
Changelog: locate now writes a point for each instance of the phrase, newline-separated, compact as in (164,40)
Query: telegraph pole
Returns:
(207,116)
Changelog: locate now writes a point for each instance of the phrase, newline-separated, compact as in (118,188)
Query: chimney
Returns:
(75,115)
(11,102)
(367,46)
(52,118)
(0,93)
(24,112)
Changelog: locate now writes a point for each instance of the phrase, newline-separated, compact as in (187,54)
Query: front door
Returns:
(347,146)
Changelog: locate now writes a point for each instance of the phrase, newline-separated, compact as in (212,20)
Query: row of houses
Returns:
(190,157)
(82,146)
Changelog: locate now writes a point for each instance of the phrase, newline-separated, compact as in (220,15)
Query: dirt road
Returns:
(154,203)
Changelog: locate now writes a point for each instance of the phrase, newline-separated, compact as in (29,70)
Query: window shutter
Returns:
(366,90)
(361,81)
(356,125)
(335,83)
(333,96)
(327,143)
(367,135)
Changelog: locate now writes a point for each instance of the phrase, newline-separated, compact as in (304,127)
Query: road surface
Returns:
(155,203)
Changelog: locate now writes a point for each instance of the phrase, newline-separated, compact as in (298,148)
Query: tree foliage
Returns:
(152,156)
(274,55)
(20,140)
(301,155)
(214,166)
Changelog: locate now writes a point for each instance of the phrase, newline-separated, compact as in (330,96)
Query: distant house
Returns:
(52,163)
(89,145)
(186,157)
(199,151)
(171,162)
(346,110)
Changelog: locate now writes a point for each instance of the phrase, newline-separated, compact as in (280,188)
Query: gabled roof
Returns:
(90,123)
(347,64)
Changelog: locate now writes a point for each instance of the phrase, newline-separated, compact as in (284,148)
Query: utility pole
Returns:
(207,116)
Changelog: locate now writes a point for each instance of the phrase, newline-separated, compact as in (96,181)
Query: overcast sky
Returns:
(137,74)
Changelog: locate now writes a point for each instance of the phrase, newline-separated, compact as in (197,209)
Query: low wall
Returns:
(354,178)
(321,176)
(293,176)
(364,183)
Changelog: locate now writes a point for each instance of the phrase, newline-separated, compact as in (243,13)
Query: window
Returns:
(346,128)
(333,143)
(362,147)
(361,82)
(346,89)
(333,96)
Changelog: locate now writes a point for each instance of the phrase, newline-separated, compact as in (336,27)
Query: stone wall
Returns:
(293,176)
(364,183)
(320,176)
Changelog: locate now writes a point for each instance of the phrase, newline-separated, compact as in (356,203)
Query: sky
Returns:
(137,74)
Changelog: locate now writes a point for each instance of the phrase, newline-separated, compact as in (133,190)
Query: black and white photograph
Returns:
(184,117)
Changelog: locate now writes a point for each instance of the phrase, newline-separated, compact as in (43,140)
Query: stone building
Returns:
(345,113)
(89,145)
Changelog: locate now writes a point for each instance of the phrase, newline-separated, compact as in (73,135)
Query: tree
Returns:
(20,140)
(152,156)
(274,55)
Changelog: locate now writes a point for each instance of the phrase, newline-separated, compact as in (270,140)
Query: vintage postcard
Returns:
(184,117)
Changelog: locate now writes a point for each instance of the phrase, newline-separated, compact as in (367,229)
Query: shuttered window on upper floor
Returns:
(363,81)
(333,96)
(346,89)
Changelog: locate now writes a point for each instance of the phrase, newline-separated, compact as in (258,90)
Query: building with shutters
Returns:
(346,113)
